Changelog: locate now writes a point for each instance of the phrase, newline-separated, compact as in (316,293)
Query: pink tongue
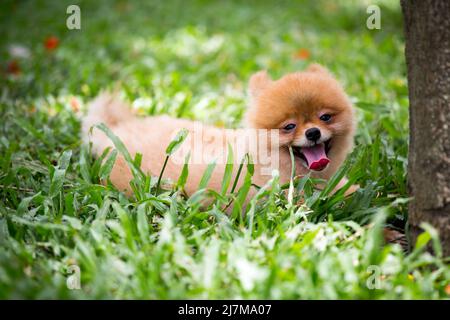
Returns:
(316,157)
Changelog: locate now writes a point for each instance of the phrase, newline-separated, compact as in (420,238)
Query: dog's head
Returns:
(311,111)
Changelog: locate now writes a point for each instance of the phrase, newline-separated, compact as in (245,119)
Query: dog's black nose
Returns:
(312,134)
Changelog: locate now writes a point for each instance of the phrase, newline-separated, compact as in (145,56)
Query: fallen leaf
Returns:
(302,54)
(74,104)
(51,43)
(13,67)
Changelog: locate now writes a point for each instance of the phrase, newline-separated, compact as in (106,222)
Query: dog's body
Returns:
(287,107)
(151,135)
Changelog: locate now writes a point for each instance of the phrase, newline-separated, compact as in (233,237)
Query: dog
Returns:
(306,111)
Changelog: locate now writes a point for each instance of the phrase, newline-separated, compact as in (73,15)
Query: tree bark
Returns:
(427,51)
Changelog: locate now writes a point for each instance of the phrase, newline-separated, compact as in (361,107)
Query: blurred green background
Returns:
(193,59)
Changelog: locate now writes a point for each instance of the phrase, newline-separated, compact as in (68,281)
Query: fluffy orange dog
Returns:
(307,110)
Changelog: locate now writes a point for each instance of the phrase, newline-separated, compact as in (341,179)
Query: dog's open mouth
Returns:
(315,157)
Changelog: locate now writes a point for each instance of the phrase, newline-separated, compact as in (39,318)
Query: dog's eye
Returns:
(289,127)
(325,117)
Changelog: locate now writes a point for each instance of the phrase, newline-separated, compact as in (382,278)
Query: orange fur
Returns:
(299,97)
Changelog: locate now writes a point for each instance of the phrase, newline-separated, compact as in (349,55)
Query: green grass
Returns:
(192,59)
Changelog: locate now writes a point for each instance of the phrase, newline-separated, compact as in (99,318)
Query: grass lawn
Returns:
(193,59)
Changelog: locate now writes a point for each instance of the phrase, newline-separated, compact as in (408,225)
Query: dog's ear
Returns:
(315,67)
(258,82)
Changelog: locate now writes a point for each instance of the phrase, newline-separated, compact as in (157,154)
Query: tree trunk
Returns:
(427,33)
